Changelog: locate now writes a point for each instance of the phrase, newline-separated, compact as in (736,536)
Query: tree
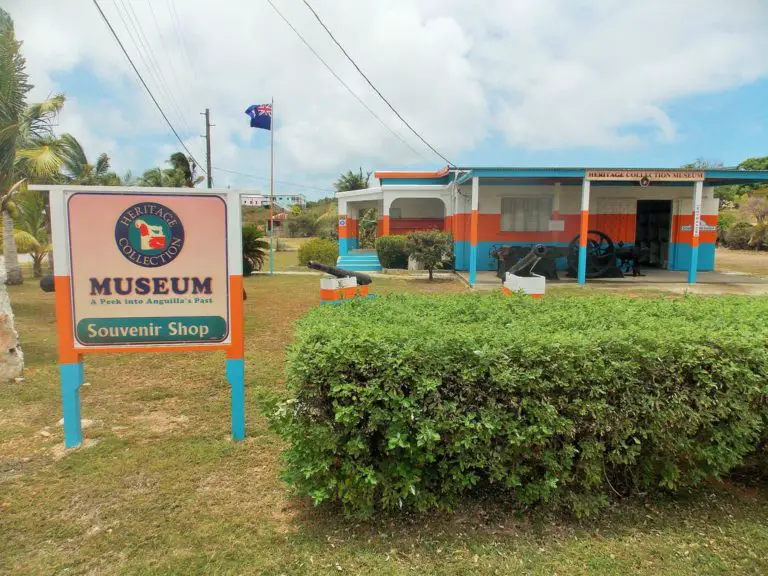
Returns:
(182,164)
(28,148)
(430,248)
(254,249)
(77,169)
(352,181)
(736,191)
(181,174)
(756,207)
(702,163)
(31,230)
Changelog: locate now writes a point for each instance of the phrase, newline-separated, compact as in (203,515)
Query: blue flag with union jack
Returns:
(261,116)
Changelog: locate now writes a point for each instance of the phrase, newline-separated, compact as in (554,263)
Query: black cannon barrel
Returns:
(529,260)
(362,279)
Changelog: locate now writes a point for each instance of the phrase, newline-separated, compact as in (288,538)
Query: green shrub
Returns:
(725,219)
(430,248)
(414,401)
(320,250)
(255,249)
(739,235)
(392,251)
(759,238)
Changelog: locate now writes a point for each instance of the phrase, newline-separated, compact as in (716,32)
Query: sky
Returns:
(609,83)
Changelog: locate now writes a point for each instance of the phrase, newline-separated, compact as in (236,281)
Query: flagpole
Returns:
(271,186)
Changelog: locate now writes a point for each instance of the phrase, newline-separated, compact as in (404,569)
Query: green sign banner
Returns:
(172,329)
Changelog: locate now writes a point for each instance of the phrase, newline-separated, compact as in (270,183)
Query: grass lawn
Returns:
(160,488)
(288,257)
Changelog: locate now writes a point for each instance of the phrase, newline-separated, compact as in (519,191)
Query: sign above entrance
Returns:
(647,176)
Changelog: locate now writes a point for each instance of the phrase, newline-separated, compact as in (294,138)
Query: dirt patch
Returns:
(58,451)
(158,422)
(742,261)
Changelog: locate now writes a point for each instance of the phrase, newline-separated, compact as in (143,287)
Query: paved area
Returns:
(666,280)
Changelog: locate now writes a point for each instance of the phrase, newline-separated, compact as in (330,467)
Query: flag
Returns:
(261,116)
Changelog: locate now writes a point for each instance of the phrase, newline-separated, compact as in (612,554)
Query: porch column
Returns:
(385,216)
(473,231)
(344,228)
(583,232)
(693,265)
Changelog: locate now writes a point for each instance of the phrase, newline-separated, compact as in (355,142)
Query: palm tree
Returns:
(352,181)
(77,169)
(183,164)
(28,149)
(31,230)
(254,249)
(181,174)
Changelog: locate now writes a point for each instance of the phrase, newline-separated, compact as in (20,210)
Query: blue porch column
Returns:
(583,232)
(693,265)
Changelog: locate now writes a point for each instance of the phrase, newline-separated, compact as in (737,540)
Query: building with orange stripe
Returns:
(670,213)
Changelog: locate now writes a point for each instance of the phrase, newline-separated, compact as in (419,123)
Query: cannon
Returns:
(521,260)
(603,257)
(362,279)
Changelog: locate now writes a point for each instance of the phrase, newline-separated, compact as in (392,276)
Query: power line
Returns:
(180,33)
(277,181)
(146,87)
(159,76)
(169,59)
(419,136)
(363,104)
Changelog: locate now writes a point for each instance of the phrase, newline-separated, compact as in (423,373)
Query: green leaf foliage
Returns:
(430,248)
(392,251)
(321,250)
(413,401)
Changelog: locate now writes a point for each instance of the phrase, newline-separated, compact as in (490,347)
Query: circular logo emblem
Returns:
(149,234)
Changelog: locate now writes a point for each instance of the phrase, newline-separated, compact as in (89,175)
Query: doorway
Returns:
(652,232)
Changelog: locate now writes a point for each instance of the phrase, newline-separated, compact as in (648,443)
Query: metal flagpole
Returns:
(271,184)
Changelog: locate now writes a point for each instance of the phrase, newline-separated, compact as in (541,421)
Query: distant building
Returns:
(282,200)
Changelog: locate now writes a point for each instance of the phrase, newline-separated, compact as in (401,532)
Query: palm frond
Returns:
(25,242)
(40,158)
(74,158)
(38,117)
(102,164)
(13,89)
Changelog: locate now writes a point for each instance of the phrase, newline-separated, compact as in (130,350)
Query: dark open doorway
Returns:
(652,234)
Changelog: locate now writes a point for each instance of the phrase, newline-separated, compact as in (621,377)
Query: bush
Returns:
(725,219)
(255,249)
(430,248)
(320,250)
(759,238)
(739,235)
(392,251)
(414,401)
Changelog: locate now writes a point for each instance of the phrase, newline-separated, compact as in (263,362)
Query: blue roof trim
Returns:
(742,176)
(529,172)
(415,181)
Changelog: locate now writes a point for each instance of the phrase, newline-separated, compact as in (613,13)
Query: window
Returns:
(526,213)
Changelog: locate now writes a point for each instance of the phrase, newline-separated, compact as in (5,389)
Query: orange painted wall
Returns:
(685,236)
(489,228)
(408,225)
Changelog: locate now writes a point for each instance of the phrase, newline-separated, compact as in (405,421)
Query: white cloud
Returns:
(542,74)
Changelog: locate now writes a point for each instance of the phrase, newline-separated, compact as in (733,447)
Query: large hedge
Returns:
(392,251)
(409,401)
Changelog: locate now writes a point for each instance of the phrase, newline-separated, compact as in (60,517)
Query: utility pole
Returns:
(207,137)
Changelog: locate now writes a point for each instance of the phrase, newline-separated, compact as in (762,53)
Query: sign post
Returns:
(146,270)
